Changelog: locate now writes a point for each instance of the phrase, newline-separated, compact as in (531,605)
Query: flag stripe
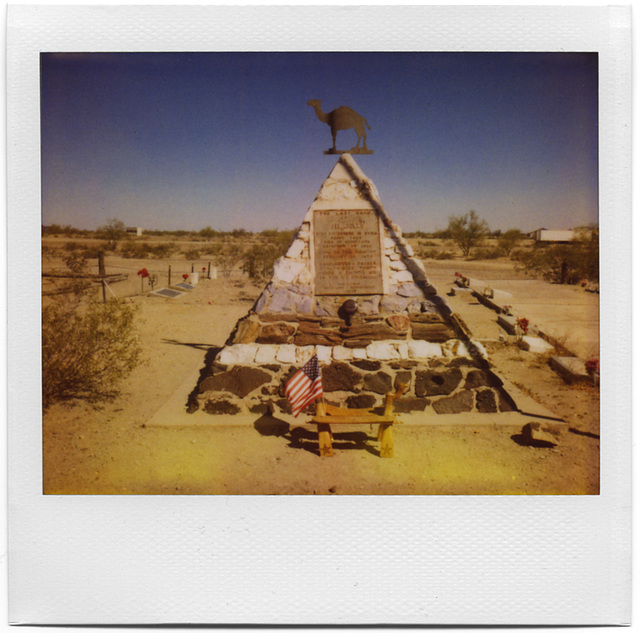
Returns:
(305,386)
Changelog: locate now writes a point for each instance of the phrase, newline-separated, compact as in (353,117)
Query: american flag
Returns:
(305,386)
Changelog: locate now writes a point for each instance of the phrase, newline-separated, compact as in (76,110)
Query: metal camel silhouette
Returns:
(343,118)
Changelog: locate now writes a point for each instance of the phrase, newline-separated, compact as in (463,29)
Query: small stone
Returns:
(361,401)
(286,354)
(276,333)
(359,352)
(266,354)
(367,365)
(369,306)
(399,322)
(381,350)
(423,349)
(409,290)
(284,301)
(286,270)
(240,381)
(304,354)
(535,345)
(342,353)
(410,403)
(534,432)
(296,249)
(403,350)
(458,403)
(392,303)
(396,263)
(436,383)
(221,407)
(401,277)
(340,377)
(262,301)
(569,368)
(486,401)
(306,305)
(238,354)
(379,382)
(324,353)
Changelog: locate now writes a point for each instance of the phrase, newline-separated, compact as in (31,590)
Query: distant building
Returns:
(134,230)
(552,235)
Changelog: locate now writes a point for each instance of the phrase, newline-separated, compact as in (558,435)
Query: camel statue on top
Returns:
(342,118)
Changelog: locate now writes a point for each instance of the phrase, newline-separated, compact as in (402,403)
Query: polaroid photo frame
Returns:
(364,560)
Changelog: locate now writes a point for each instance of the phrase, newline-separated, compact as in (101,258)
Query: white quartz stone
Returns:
(286,270)
(266,354)
(402,276)
(423,349)
(304,354)
(286,354)
(403,350)
(240,354)
(342,353)
(359,352)
(397,264)
(296,249)
(324,353)
(381,350)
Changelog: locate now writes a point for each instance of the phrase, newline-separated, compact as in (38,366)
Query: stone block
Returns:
(535,345)
(296,249)
(241,354)
(423,349)
(276,333)
(286,354)
(324,353)
(240,381)
(361,401)
(457,403)
(399,322)
(569,368)
(411,403)
(221,407)
(286,270)
(401,277)
(478,378)
(342,353)
(340,377)
(247,330)
(266,354)
(381,350)
(284,301)
(403,350)
(437,383)
(392,304)
(359,352)
(367,365)
(370,305)
(409,289)
(380,382)
(486,401)
(306,305)
(534,432)
(397,264)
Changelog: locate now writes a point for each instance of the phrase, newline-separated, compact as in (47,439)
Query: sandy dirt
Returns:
(114,448)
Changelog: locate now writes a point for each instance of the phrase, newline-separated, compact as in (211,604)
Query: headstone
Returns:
(167,293)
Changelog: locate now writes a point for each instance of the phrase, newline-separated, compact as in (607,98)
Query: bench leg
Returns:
(324,440)
(385,435)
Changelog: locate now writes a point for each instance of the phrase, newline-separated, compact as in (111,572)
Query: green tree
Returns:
(113,232)
(467,231)
(508,240)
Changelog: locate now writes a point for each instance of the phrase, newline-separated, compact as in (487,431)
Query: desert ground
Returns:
(145,442)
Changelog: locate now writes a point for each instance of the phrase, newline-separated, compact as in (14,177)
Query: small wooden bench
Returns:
(327,414)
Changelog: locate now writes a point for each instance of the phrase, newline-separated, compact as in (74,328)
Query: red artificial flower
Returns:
(185,276)
(203,268)
(524,324)
(143,273)
(592,366)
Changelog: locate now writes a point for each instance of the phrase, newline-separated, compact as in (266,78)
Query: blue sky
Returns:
(188,140)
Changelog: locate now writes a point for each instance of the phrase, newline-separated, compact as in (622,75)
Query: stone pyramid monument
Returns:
(350,290)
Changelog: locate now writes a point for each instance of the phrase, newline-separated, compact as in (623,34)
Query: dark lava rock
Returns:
(437,383)
(406,405)
(221,407)
(367,365)
(404,364)
(260,407)
(505,403)
(239,381)
(458,403)
(285,379)
(463,361)
(380,382)
(486,401)
(276,333)
(478,378)
(361,401)
(340,377)
(403,377)
(283,404)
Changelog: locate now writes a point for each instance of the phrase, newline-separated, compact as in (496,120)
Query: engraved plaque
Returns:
(347,252)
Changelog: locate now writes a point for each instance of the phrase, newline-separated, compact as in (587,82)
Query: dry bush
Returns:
(87,350)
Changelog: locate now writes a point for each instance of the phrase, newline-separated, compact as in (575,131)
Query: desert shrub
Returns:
(486,253)
(257,262)
(429,253)
(508,240)
(445,255)
(87,350)
(112,232)
(428,243)
(467,231)
(70,247)
(561,263)
(142,250)
(192,253)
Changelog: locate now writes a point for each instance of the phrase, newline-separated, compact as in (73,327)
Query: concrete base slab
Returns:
(535,345)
